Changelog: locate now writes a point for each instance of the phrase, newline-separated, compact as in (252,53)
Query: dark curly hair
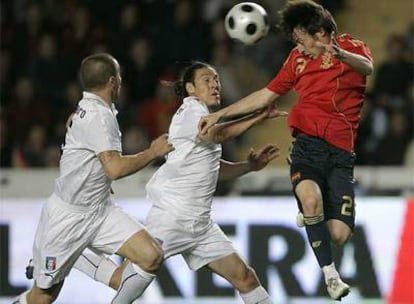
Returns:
(305,14)
(187,75)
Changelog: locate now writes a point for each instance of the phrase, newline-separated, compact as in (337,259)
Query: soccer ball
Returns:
(247,22)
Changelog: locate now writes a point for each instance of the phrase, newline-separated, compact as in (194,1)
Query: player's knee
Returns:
(339,238)
(311,205)
(153,260)
(339,235)
(246,280)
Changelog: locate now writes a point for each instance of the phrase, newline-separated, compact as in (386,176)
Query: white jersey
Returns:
(185,184)
(94,129)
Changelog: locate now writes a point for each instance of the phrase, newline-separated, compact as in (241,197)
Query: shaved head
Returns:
(96,70)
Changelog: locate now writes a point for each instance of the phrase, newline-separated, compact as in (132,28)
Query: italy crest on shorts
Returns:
(50,263)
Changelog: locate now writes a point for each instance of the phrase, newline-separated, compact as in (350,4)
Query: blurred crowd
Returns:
(43,43)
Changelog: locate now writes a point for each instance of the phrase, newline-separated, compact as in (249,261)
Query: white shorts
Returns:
(199,242)
(65,230)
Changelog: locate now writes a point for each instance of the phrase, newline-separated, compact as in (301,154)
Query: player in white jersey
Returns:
(182,189)
(80,213)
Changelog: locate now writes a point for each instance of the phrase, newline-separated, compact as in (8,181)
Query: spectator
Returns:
(141,72)
(26,109)
(33,152)
(155,113)
(27,33)
(46,69)
(186,26)
(395,74)
(391,149)
(6,147)
(134,140)
(126,31)
(373,127)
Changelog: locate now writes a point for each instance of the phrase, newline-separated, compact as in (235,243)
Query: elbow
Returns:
(369,69)
(113,174)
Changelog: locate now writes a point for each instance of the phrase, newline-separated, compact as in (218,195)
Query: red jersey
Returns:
(330,93)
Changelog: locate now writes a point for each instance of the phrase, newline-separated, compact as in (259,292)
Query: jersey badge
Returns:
(327,61)
(50,263)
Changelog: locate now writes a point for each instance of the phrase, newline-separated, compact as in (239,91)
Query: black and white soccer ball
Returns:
(247,22)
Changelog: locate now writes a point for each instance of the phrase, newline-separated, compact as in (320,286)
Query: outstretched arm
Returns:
(222,132)
(255,162)
(249,104)
(117,165)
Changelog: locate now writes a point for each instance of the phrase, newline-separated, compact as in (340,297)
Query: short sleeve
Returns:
(102,132)
(284,80)
(355,46)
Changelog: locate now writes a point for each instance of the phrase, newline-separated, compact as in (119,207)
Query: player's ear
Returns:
(189,88)
(112,81)
(321,33)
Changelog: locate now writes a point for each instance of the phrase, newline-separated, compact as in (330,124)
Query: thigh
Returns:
(307,168)
(116,229)
(309,196)
(141,248)
(60,238)
(210,246)
(339,199)
(230,267)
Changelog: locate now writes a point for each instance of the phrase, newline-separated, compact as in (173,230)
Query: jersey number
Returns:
(348,206)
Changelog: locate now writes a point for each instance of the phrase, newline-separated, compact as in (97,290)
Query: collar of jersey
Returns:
(194,100)
(90,95)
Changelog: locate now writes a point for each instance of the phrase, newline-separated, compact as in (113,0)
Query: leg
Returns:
(340,232)
(143,250)
(39,296)
(122,234)
(341,200)
(308,183)
(340,214)
(52,256)
(310,198)
(242,277)
(99,268)
(144,256)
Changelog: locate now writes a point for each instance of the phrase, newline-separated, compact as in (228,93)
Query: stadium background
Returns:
(42,43)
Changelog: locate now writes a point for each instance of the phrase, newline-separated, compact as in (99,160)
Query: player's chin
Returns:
(215,101)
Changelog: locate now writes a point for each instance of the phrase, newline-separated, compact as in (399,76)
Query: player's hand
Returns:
(259,160)
(206,122)
(331,47)
(160,146)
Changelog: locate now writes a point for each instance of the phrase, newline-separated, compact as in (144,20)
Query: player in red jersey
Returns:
(328,72)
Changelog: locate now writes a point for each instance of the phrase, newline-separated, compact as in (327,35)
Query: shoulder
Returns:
(92,109)
(346,40)
(349,43)
(193,106)
(294,53)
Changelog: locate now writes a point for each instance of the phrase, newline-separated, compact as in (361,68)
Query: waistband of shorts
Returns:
(75,208)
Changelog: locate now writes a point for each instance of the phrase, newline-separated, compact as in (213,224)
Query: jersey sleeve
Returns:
(284,80)
(102,132)
(355,46)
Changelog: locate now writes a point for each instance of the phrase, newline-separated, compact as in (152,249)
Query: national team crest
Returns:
(50,263)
